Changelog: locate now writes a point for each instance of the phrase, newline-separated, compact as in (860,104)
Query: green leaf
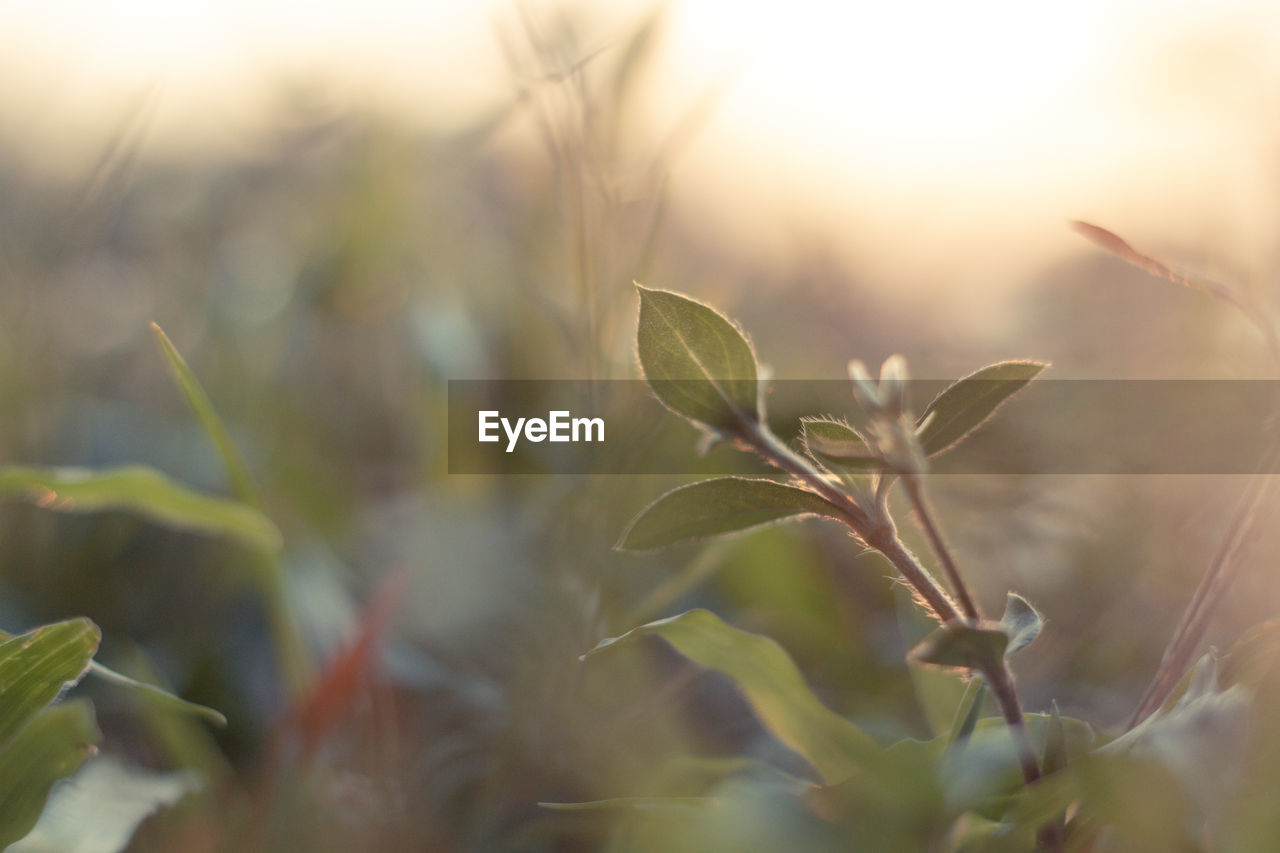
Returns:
(713,507)
(837,445)
(38,665)
(961,646)
(51,746)
(238,473)
(1021,622)
(970,401)
(144,491)
(697,362)
(100,808)
(158,695)
(773,686)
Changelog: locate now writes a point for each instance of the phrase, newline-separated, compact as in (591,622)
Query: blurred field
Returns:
(328,271)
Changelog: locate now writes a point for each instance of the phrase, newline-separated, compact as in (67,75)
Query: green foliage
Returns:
(772,685)
(967,788)
(145,492)
(713,507)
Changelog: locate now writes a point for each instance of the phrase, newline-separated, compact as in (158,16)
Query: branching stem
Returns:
(879,533)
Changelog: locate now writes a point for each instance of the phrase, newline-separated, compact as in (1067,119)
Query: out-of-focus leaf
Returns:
(773,686)
(1254,658)
(1055,747)
(144,491)
(265,565)
(158,695)
(636,803)
(38,665)
(837,445)
(697,362)
(179,739)
(983,771)
(99,809)
(50,747)
(713,507)
(969,402)
(1021,622)
(939,692)
(241,483)
(1202,738)
(962,646)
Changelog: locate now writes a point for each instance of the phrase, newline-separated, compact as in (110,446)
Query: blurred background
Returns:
(334,208)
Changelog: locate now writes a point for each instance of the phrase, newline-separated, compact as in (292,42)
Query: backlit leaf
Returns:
(1021,622)
(713,507)
(968,402)
(696,361)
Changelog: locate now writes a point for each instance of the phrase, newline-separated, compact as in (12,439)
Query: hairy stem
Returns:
(880,534)
(915,492)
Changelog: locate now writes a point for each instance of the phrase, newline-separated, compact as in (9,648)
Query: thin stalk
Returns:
(915,493)
(1186,638)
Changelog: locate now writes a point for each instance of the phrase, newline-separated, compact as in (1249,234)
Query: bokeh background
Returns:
(333,209)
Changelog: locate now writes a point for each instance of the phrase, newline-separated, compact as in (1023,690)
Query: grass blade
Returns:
(241,483)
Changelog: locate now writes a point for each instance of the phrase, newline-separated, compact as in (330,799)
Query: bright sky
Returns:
(951,127)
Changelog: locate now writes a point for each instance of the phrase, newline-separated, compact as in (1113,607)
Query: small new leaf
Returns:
(970,401)
(773,686)
(961,646)
(714,507)
(1021,622)
(696,361)
(837,445)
